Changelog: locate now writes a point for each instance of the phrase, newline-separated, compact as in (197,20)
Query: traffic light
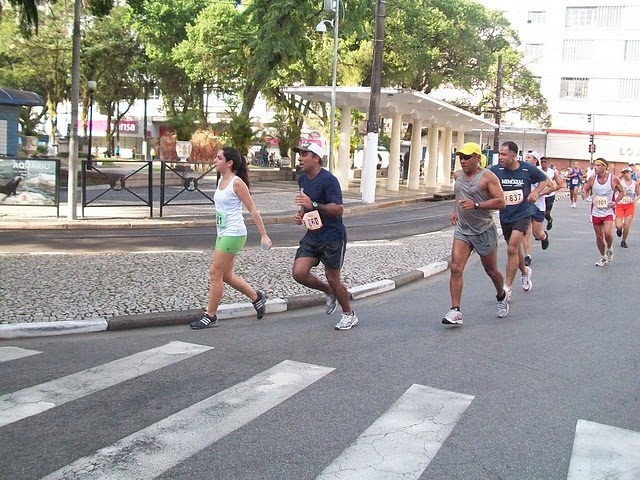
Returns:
(592,148)
(589,117)
(591,139)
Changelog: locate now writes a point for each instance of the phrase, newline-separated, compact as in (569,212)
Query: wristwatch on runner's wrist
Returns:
(314,204)
(476,205)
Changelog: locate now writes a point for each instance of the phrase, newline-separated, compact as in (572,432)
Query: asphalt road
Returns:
(566,353)
(386,223)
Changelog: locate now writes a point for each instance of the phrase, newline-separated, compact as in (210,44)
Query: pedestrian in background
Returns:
(321,208)
(231,193)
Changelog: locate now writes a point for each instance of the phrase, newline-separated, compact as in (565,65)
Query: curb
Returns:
(225,312)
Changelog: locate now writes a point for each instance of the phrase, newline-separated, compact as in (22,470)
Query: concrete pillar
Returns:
(344,147)
(459,144)
(369,168)
(416,155)
(444,169)
(393,180)
(433,156)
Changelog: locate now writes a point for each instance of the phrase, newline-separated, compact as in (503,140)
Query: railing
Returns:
(114,189)
(190,182)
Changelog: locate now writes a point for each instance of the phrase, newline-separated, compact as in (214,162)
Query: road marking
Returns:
(401,443)
(603,451)
(153,450)
(13,353)
(39,398)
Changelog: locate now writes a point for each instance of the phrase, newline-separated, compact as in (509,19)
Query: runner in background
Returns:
(603,187)
(625,210)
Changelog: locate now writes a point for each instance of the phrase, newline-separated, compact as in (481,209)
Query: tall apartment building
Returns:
(586,54)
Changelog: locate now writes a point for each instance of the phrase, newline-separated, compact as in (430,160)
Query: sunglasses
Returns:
(465,157)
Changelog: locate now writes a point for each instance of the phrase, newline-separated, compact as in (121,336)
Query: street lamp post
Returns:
(332,6)
(91,86)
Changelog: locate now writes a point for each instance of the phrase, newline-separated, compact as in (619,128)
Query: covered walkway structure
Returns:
(401,106)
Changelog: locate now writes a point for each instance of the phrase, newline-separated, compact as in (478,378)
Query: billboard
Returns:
(29,181)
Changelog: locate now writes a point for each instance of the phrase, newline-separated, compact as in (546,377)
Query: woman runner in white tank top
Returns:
(231,194)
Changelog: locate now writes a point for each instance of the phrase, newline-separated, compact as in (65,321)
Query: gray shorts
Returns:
(485,243)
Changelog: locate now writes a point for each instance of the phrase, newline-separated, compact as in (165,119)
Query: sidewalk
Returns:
(73,293)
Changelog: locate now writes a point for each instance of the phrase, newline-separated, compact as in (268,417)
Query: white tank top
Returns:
(602,196)
(629,192)
(229,219)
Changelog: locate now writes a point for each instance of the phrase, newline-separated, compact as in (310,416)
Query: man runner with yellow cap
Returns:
(478,192)
(602,187)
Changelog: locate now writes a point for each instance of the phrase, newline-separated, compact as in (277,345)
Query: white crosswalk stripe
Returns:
(403,441)
(33,400)
(603,451)
(154,450)
(13,353)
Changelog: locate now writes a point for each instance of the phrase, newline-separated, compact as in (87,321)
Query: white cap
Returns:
(310,147)
(534,154)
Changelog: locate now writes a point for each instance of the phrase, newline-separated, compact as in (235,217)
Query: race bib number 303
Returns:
(513,197)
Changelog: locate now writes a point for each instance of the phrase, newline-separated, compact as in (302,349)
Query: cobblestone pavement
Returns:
(95,286)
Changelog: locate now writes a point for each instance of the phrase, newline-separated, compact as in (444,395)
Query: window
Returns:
(574,87)
(533,50)
(580,16)
(609,17)
(629,89)
(632,51)
(537,18)
(577,50)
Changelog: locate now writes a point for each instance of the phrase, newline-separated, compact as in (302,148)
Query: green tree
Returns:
(47,72)
(114,58)
(239,52)
(161,25)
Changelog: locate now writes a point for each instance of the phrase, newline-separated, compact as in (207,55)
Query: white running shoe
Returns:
(453,317)
(602,262)
(527,284)
(347,321)
(503,305)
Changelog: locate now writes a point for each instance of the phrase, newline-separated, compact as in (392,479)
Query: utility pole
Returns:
(497,117)
(371,144)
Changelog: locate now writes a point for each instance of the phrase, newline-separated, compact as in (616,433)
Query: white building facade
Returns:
(586,54)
